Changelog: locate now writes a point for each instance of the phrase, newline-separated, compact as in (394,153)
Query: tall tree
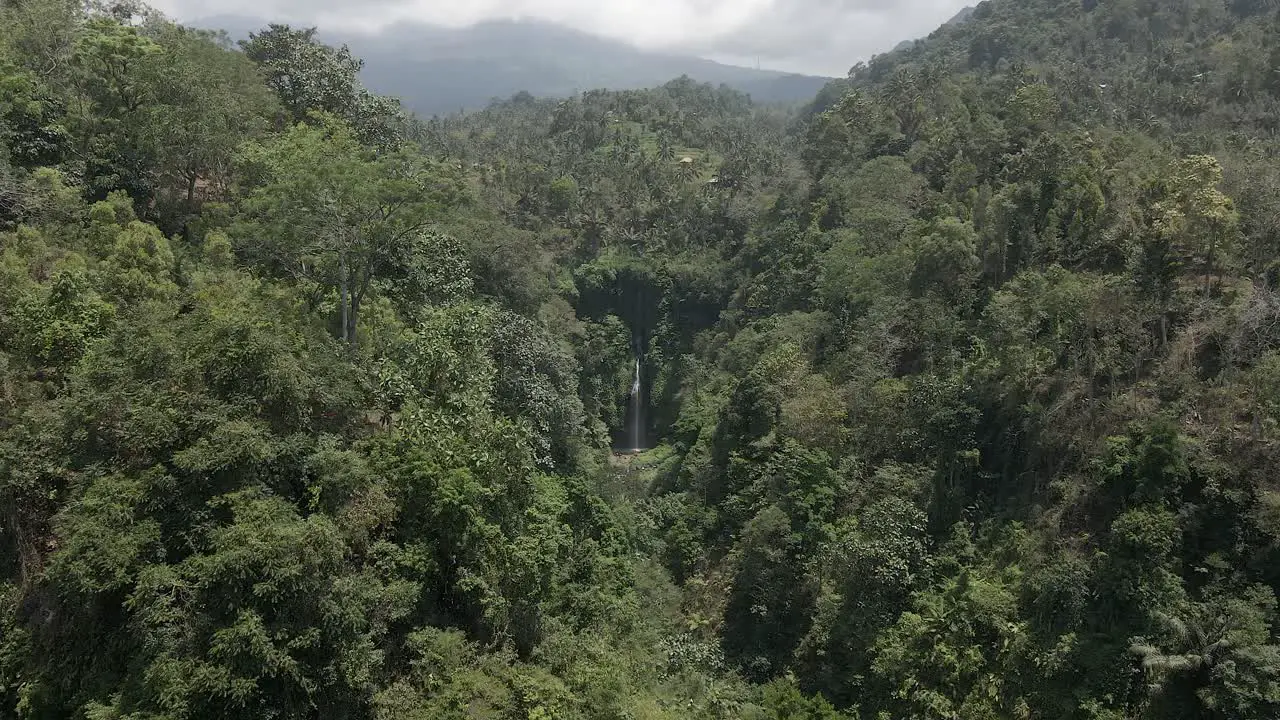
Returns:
(309,76)
(209,100)
(326,210)
(1200,220)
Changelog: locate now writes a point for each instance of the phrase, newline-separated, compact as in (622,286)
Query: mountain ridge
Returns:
(440,70)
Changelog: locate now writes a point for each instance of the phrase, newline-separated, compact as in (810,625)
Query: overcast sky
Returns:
(815,36)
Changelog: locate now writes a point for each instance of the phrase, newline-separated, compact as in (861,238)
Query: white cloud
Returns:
(817,36)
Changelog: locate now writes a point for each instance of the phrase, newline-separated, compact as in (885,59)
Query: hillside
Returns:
(971,415)
(441,70)
(954,395)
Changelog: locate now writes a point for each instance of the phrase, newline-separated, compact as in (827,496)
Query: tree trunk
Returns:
(1208,269)
(1210,263)
(353,319)
(343,295)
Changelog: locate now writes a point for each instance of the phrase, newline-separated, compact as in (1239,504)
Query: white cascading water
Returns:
(637,411)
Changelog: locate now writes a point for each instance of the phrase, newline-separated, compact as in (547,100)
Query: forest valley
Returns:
(960,385)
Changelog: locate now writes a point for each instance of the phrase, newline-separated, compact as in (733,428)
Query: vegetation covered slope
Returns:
(974,421)
(985,431)
(965,383)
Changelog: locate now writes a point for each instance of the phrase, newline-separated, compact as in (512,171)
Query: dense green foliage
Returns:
(965,381)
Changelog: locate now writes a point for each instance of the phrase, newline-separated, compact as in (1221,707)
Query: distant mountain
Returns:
(437,70)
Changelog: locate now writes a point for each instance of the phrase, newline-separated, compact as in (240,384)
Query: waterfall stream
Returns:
(636,411)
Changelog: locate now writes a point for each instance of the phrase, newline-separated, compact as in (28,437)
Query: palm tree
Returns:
(902,92)
(631,238)
(1197,646)
(688,169)
(1180,673)
(666,151)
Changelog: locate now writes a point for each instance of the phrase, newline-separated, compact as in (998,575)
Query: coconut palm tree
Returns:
(688,169)
(1197,644)
(1183,672)
(666,150)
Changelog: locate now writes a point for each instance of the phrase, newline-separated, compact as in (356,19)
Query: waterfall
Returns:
(637,410)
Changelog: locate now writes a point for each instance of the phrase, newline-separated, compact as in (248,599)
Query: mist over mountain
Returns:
(439,70)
